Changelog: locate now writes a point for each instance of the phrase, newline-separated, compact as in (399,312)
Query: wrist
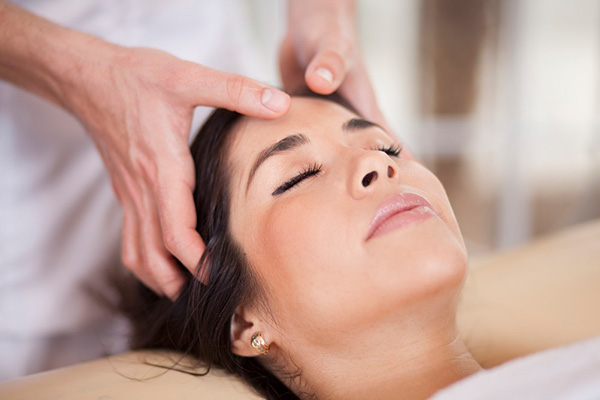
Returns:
(43,57)
(77,65)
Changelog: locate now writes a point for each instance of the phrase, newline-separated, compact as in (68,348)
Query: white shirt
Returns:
(59,219)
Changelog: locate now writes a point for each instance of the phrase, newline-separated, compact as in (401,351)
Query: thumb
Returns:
(326,71)
(238,93)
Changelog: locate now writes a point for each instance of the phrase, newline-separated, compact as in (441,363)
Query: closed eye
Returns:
(393,150)
(308,172)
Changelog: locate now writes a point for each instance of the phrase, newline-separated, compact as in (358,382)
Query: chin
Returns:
(429,260)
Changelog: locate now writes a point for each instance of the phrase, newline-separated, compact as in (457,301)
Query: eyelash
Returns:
(393,150)
(315,169)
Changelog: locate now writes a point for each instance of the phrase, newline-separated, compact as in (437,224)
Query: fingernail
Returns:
(274,100)
(325,74)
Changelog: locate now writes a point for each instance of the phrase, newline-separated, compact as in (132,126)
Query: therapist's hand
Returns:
(137,105)
(321,51)
(139,111)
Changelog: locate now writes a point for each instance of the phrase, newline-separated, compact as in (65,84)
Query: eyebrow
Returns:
(286,144)
(357,124)
(294,141)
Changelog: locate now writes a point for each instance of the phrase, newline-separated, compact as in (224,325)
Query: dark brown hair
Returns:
(198,322)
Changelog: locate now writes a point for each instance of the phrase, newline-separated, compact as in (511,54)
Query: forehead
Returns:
(306,115)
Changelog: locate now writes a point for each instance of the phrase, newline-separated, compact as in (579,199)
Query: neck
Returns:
(412,359)
(431,371)
(413,372)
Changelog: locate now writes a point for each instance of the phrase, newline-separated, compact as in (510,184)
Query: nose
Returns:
(371,168)
(372,176)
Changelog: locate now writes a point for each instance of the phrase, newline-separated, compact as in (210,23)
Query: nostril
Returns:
(391,172)
(370,177)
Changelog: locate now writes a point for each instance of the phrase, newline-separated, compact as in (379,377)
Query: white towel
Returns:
(567,373)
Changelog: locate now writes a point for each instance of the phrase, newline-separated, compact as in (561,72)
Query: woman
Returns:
(334,263)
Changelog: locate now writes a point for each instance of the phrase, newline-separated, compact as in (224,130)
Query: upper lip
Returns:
(395,204)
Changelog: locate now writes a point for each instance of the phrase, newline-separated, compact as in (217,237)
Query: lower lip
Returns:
(403,219)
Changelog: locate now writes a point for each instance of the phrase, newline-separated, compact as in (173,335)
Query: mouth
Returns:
(399,211)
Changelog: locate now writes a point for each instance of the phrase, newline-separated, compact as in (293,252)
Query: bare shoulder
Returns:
(536,297)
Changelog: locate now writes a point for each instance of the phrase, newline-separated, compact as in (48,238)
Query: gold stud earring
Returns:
(258,343)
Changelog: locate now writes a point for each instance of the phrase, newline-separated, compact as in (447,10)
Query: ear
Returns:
(246,321)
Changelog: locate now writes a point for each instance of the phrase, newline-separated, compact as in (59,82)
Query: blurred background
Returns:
(500,98)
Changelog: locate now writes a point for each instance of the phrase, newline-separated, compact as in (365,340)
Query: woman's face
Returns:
(343,235)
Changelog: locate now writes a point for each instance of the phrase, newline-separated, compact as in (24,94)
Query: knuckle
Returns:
(171,81)
(340,49)
(169,240)
(337,59)
(235,88)
(129,260)
(346,44)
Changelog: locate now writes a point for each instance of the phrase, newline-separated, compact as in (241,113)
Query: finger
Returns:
(131,244)
(130,233)
(138,254)
(177,213)
(327,70)
(130,251)
(292,73)
(158,262)
(238,93)
(358,90)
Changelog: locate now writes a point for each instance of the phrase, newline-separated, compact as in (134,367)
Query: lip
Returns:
(399,211)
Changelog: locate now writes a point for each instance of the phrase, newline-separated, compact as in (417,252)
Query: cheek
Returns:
(304,241)
(312,269)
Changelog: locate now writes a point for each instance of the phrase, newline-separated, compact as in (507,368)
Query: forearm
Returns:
(42,57)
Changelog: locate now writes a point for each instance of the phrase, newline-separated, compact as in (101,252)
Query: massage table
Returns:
(515,303)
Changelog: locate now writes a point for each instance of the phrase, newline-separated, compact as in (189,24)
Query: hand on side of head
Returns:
(137,104)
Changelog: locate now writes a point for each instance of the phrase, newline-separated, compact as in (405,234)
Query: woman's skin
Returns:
(359,317)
